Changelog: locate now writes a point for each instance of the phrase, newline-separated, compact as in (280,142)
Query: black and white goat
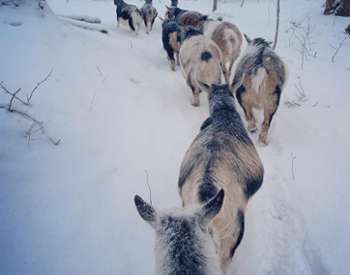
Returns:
(171,38)
(222,157)
(185,17)
(258,83)
(149,14)
(200,61)
(129,14)
(183,243)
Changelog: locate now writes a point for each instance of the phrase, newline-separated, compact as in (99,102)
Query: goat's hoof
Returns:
(252,127)
(263,140)
(195,104)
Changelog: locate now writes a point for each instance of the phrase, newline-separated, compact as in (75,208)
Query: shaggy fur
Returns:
(200,61)
(258,83)
(185,17)
(183,243)
(149,15)
(229,39)
(171,41)
(222,156)
(129,13)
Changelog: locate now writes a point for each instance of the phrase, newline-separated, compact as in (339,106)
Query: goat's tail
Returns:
(205,56)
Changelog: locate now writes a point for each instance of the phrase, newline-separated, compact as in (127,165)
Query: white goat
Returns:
(200,61)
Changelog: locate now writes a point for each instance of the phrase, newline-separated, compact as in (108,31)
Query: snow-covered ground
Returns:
(122,113)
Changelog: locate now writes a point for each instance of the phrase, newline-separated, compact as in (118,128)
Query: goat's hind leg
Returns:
(195,92)
(269,112)
(243,99)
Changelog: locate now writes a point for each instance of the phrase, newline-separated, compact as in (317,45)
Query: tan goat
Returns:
(200,61)
(258,83)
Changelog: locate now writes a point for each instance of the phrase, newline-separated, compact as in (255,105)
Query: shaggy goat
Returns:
(128,13)
(200,61)
(171,41)
(222,156)
(185,17)
(229,39)
(173,3)
(183,244)
(149,14)
(258,83)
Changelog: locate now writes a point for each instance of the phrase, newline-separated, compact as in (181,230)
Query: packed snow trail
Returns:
(121,111)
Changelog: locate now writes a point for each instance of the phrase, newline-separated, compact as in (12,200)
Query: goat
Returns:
(129,13)
(222,156)
(174,3)
(183,244)
(149,14)
(258,83)
(185,17)
(200,61)
(171,41)
(229,39)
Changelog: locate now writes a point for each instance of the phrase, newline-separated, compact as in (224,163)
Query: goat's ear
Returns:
(168,8)
(146,211)
(211,209)
(205,87)
(247,38)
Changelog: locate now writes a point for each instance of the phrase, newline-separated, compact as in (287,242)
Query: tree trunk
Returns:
(337,7)
(215,5)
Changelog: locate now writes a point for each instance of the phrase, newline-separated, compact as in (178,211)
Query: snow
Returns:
(121,111)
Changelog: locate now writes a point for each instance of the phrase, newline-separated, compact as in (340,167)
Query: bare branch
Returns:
(300,96)
(35,122)
(14,95)
(12,98)
(277,24)
(293,158)
(337,49)
(37,86)
(149,188)
(40,124)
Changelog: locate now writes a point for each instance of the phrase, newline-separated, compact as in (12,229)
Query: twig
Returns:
(37,86)
(3,87)
(293,158)
(40,124)
(277,25)
(302,34)
(12,98)
(242,3)
(300,95)
(149,188)
(337,49)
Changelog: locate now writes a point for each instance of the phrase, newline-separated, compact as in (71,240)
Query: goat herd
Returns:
(221,170)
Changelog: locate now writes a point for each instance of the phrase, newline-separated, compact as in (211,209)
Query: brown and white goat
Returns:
(171,38)
(222,156)
(258,83)
(229,39)
(185,17)
(200,61)
(149,15)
